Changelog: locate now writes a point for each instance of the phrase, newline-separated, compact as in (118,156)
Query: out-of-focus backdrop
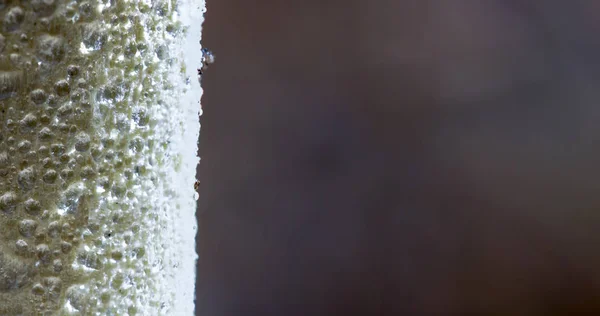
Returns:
(395,157)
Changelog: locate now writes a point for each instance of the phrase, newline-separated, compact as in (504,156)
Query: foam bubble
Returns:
(98,153)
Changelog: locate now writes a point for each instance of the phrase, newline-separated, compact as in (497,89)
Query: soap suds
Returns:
(98,157)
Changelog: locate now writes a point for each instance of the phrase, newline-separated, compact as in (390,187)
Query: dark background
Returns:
(393,157)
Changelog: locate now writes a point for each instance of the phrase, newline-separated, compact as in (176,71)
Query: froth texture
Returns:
(99,112)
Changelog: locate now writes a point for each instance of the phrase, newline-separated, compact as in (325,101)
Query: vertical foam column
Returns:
(99,107)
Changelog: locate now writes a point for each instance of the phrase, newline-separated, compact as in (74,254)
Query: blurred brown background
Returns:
(394,157)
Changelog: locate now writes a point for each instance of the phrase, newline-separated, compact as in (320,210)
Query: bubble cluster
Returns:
(88,115)
(51,48)
(43,253)
(38,289)
(29,122)
(24,146)
(53,286)
(57,265)
(8,201)
(32,207)
(62,88)
(13,19)
(21,246)
(27,227)
(66,247)
(94,37)
(73,71)
(45,134)
(38,96)
(50,176)
(82,142)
